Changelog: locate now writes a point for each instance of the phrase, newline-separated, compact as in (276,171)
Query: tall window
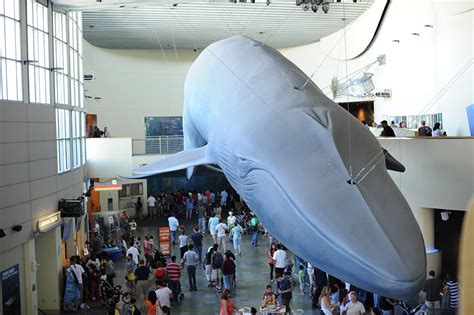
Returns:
(38,52)
(78,138)
(60,68)
(63,136)
(75,58)
(10,51)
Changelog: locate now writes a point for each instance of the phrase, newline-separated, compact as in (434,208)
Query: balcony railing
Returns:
(157,145)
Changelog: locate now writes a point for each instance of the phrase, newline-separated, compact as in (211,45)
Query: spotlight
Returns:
(396,41)
(268,2)
(305,7)
(314,7)
(325,8)
(17,228)
(415,34)
(2,233)
(299,2)
(428,25)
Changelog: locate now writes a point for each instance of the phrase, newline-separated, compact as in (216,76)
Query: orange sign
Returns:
(105,187)
(164,240)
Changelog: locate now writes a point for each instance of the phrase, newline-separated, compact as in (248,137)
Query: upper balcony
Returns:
(439,170)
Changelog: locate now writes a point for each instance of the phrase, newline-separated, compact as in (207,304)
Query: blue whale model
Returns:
(313,174)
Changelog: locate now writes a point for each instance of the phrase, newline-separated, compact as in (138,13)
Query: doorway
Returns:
(364,111)
(91,123)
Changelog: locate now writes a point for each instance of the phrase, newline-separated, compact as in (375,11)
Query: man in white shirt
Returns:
(353,307)
(173,224)
(151,201)
(221,230)
(280,260)
(164,295)
(224,196)
(78,272)
(135,253)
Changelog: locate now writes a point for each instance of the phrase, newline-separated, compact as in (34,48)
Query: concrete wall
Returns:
(133,84)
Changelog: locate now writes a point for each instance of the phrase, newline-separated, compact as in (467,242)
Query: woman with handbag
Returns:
(271,261)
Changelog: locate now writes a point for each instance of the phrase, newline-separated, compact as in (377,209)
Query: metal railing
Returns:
(157,145)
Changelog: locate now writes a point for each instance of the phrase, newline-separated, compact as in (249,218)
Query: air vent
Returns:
(89,77)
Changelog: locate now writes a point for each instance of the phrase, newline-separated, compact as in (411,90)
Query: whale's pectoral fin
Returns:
(187,159)
(391,163)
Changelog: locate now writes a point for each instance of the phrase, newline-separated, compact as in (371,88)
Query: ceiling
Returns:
(195,24)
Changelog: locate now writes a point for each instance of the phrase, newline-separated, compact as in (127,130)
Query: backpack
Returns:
(218,260)
(207,261)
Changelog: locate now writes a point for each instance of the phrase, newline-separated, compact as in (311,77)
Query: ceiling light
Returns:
(428,25)
(325,7)
(17,228)
(314,7)
(396,41)
(305,7)
(415,34)
(2,233)
(268,2)
(122,6)
(299,2)
(445,215)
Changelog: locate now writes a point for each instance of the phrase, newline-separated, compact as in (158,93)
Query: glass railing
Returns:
(157,145)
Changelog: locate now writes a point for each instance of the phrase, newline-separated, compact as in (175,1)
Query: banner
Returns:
(11,291)
(164,240)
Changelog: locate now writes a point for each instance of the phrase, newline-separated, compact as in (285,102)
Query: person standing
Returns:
(437,131)
(151,303)
(353,307)
(191,259)
(321,281)
(221,230)
(224,196)
(131,266)
(164,296)
(284,290)
(453,287)
(236,235)
(173,224)
(197,238)
(280,259)
(202,218)
(78,272)
(271,261)
(327,307)
(228,270)
(424,130)
(213,222)
(142,273)
(106,132)
(97,132)
(174,277)
(183,243)
(433,291)
(227,305)
(133,250)
(151,201)
(189,208)
(231,220)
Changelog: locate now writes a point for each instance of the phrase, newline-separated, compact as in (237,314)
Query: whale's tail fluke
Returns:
(187,159)
(392,163)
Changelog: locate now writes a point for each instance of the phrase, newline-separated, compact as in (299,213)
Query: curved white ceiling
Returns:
(196,24)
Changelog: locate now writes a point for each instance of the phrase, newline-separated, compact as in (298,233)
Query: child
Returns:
(268,297)
(301,279)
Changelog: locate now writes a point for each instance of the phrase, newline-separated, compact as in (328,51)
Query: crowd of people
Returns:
(156,284)
(423,130)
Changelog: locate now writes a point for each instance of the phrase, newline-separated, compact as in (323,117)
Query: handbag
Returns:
(271,261)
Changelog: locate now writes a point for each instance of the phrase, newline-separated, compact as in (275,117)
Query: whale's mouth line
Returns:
(379,273)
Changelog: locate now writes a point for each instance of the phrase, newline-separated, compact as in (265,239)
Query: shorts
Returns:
(215,274)
(301,285)
(208,272)
(236,242)
(213,232)
(142,287)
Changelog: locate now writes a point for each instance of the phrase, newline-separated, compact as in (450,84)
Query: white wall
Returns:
(133,84)
(417,68)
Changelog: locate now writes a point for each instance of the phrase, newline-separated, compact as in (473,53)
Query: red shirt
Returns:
(151,308)
(174,271)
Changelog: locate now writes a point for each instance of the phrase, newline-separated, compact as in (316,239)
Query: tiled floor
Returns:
(252,277)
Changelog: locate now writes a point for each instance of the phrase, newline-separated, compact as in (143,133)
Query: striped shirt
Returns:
(174,271)
(453,287)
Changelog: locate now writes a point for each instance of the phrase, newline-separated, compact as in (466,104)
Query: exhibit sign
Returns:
(11,291)
(164,240)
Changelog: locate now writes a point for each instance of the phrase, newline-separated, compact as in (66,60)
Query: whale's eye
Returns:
(241,158)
